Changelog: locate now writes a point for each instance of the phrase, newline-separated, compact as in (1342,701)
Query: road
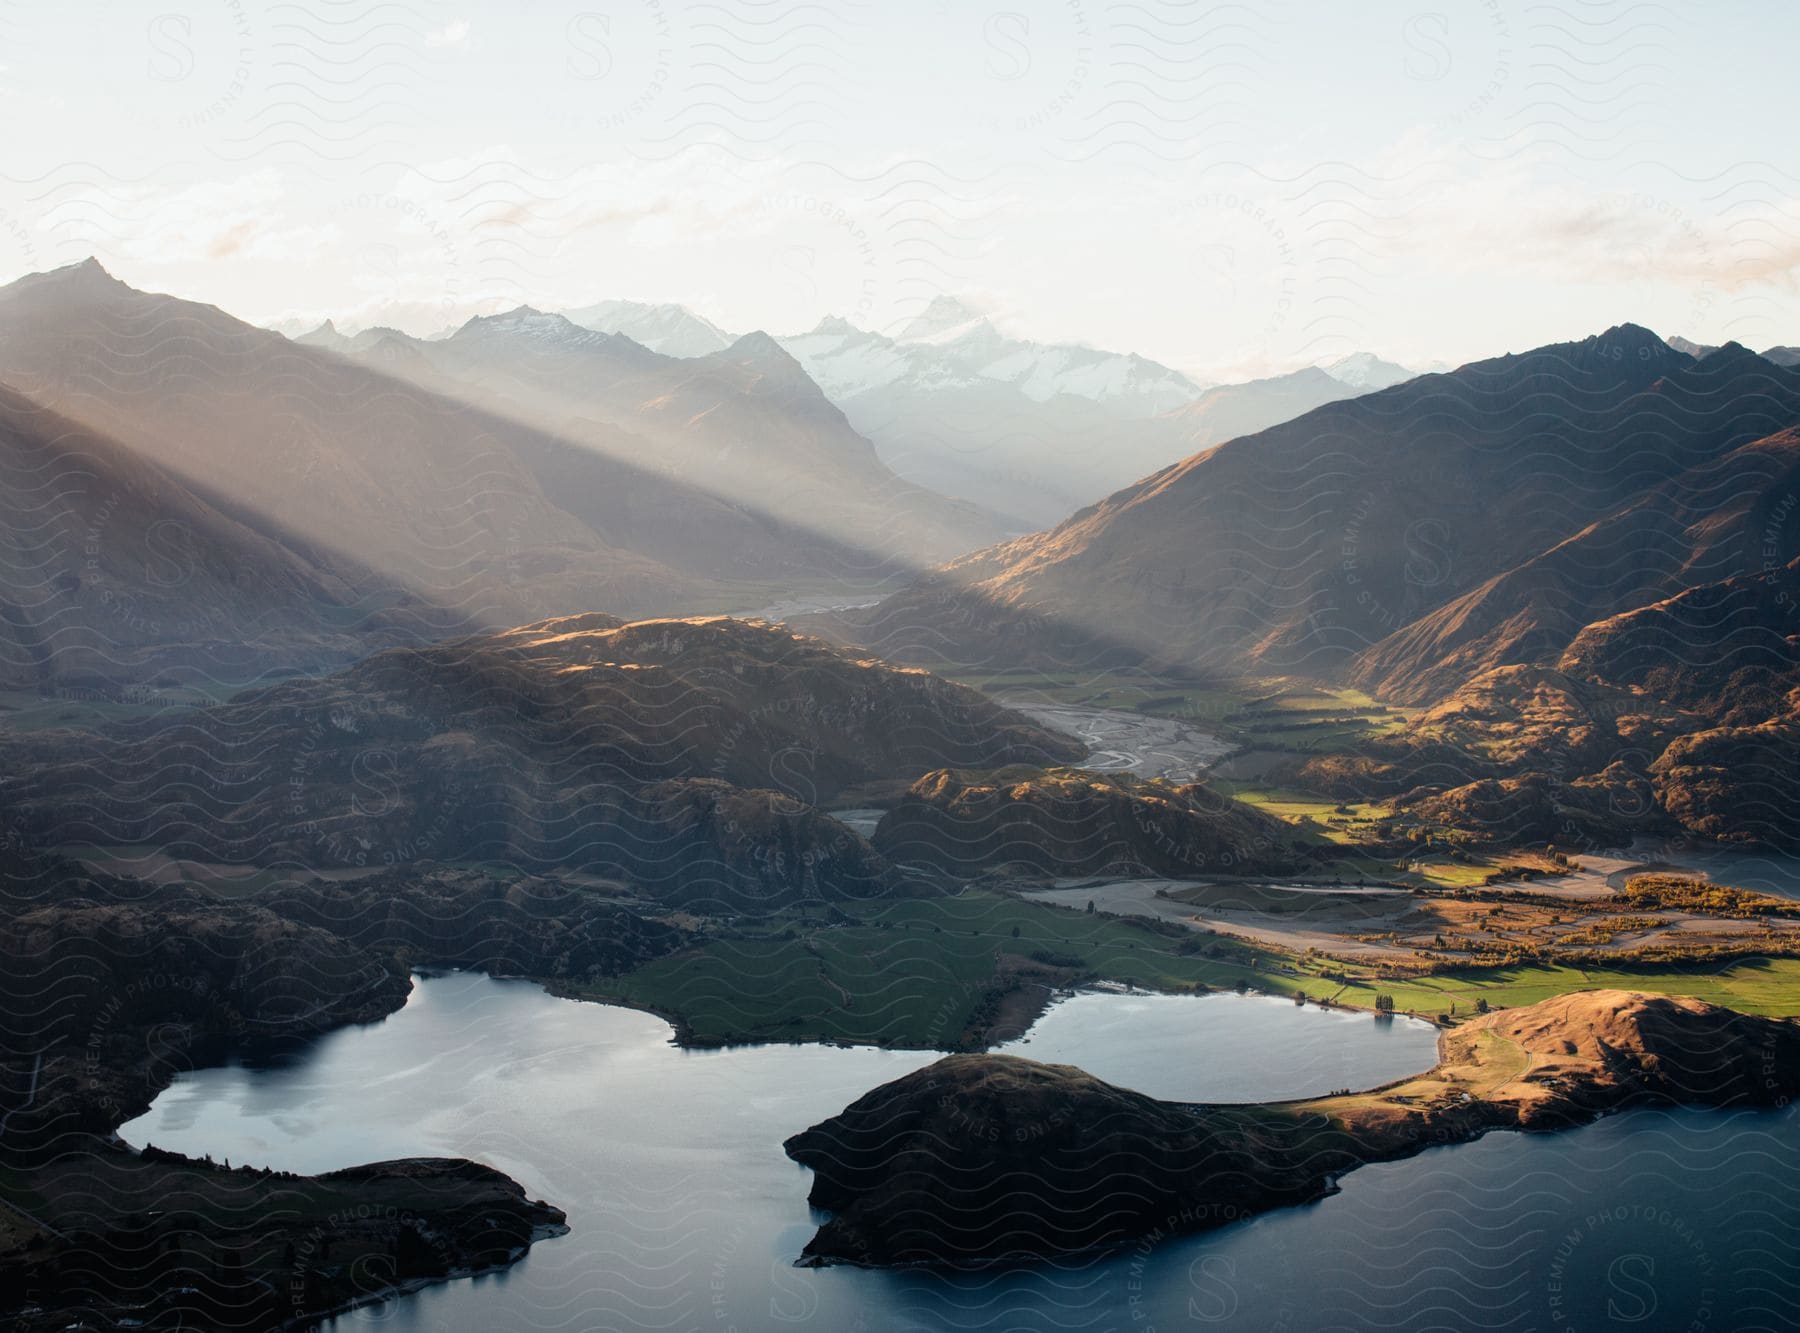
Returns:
(1333,928)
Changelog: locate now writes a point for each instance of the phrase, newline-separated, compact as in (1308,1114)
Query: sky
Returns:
(1231,189)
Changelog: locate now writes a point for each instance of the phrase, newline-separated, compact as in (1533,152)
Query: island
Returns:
(982,1158)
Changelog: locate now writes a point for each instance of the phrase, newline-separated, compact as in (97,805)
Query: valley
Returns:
(890,668)
(927,788)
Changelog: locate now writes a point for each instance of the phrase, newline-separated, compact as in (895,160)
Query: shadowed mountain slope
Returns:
(114,570)
(399,492)
(344,454)
(1680,717)
(1731,515)
(1303,548)
(682,756)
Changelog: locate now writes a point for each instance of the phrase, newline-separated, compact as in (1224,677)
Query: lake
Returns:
(685,1213)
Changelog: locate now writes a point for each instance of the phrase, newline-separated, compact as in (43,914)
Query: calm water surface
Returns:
(685,1214)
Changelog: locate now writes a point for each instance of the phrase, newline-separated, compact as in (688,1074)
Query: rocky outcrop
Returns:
(1680,717)
(987,1157)
(1063,821)
(1736,784)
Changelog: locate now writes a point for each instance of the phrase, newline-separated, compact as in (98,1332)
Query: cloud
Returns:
(452,34)
(248,217)
(1575,236)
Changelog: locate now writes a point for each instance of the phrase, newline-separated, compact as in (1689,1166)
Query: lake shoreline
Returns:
(942,1166)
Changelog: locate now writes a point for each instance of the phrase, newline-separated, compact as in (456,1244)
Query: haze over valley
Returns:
(714,666)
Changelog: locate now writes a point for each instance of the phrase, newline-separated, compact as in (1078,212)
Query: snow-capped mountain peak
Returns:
(946,319)
(950,347)
(1365,370)
(673,330)
(528,322)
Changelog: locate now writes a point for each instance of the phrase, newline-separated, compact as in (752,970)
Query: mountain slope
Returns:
(1681,717)
(111,570)
(1306,546)
(672,330)
(1034,430)
(1729,515)
(684,756)
(743,425)
(402,494)
(1230,410)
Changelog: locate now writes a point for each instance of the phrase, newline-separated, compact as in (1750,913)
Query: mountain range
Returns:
(1573,565)
(743,424)
(1021,432)
(1030,430)
(1376,538)
(673,330)
(191,491)
(1576,559)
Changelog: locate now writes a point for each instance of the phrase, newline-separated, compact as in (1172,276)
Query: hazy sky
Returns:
(1229,188)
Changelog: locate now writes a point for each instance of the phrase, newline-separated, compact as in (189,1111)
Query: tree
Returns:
(1090,907)
(1481,1006)
(1384,1004)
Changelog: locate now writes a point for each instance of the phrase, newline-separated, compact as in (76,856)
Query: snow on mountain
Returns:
(1365,370)
(946,320)
(949,345)
(527,322)
(1034,430)
(673,330)
(1029,430)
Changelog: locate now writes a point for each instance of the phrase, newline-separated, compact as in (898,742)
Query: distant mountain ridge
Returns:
(1032,430)
(1781,356)
(1394,537)
(405,498)
(744,424)
(673,330)
(376,499)
(1027,431)
(1365,370)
